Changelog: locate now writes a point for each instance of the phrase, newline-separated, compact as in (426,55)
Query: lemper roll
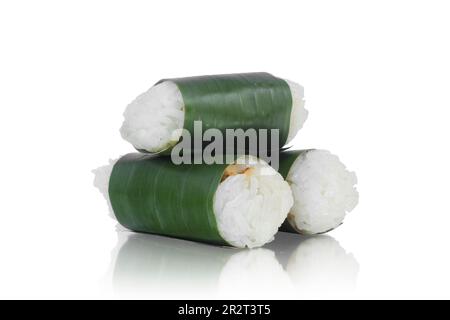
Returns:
(153,122)
(242,204)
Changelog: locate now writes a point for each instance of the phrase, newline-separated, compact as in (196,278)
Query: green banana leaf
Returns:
(287,159)
(151,194)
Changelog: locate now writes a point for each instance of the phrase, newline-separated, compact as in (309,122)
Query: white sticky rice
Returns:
(101,182)
(250,204)
(324,191)
(154,120)
(298,113)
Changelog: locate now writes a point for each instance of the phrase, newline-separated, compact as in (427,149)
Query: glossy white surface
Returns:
(376,78)
(147,264)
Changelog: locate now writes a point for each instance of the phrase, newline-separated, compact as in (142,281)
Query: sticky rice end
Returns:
(154,120)
(324,191)
(101,182)
(251,203)
(299,114)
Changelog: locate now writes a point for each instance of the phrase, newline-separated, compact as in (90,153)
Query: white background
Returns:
(376,77)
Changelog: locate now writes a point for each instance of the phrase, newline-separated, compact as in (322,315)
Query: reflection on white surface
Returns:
(320,264)
(289,266)
(254,272)
(149,263)
(316,264)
